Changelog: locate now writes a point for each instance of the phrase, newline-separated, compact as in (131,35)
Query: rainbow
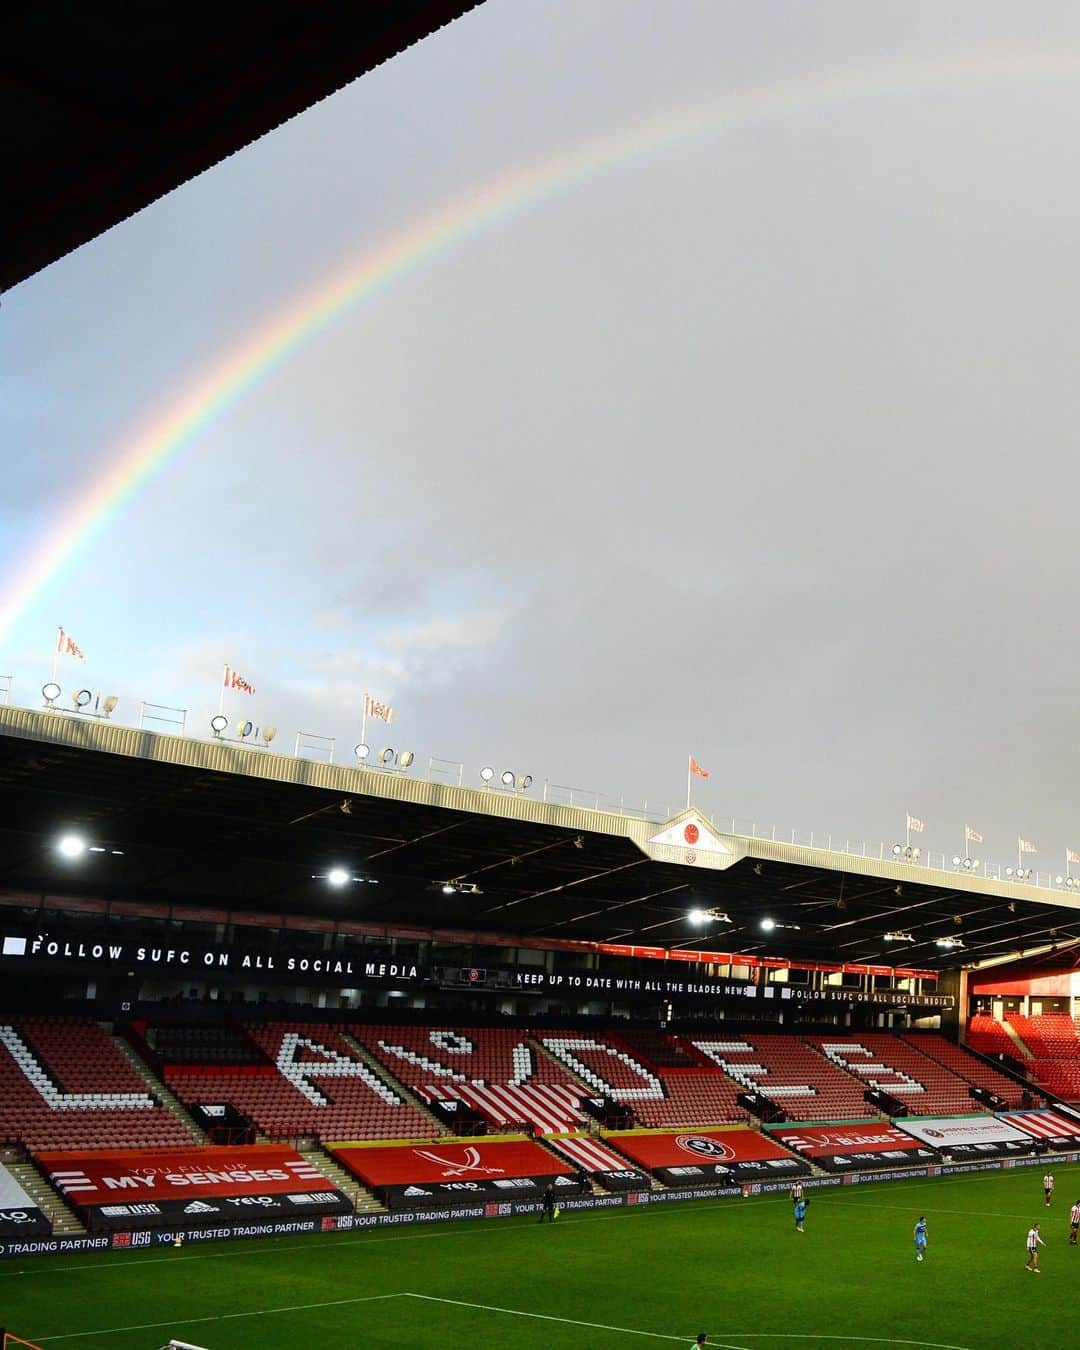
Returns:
(133,463)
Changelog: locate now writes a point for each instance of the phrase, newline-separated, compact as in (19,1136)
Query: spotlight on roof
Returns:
(268,734)
(699,916)
(245,729)
(81,698)
(508,778)
(487,773)
(218,723)
(109,705)
(386,755)
(1058,881)
(897,937)
(50,693)
(768,925)
(524,782)
(71,846)
(337,876)
(362,751)
(406,759)
(957,860)
(898,849)
(1009,871)
(448,888)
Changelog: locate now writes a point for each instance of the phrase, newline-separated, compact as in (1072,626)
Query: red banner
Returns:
(403,1164)
(821,1141)
(687,1146)
(103,1177)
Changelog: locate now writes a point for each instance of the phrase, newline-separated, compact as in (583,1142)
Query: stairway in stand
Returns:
(46,1199)
(158,1088)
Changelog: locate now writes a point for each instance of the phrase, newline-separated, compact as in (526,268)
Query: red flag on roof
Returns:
(235,681)
(914,823)
(66,647)
(695,767)
(972,836)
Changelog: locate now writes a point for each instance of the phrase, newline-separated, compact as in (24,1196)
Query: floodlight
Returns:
(699,916)
(898,849)
(957,860)
(268,734)
(449,888)
(386,755)
(218,723)
(406,759)
(524,782)
(508,778)
(487,773)
(337,876)
(50,692)
(71,846)
(1058,881)
(1008,871)
(362,751)
(768,925)
(81,698)
(109,705)
(245,729)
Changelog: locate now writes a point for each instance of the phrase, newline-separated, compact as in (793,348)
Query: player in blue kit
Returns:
(920,1238)
(800,1214)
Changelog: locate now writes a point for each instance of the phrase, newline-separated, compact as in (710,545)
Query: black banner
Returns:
(625,1179)
(732,1173)
(23,1221)
(868,1162)
(428,1194)
(215,1210)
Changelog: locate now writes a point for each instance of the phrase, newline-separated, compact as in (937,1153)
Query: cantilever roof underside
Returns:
(206,824)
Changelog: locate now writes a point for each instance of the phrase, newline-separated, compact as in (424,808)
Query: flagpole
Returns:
(56,653)
(224,677)
(363,723)
(907,836)
(689,762)
(1019,853)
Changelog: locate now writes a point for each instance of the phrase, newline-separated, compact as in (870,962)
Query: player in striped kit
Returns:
(1034,1242)
(1048,1187)
(1074,1223)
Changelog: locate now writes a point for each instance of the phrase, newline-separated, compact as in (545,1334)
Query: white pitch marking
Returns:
(572,1321)
(220,1317)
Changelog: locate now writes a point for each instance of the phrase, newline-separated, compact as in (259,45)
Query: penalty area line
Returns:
(569,1321)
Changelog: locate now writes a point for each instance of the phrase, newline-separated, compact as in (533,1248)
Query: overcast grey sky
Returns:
(760,447)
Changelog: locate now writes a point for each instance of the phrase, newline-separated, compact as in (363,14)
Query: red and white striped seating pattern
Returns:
(880,1060)
(804,1084)
(417,1056)
(553,1109)
(587,1153)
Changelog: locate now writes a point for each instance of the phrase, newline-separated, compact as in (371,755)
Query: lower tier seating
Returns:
(967,1067)
(798,1078)
(925,1087)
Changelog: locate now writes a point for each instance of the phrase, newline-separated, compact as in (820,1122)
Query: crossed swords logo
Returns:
(458,1169)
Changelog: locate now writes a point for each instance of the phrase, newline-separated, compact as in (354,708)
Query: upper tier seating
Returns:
(64,1084)
(202,1045)
(986,1035)
(1047,1036)
(1059,1076)
(966,1066)
(790,1073)
(315,1085)
(877,1059)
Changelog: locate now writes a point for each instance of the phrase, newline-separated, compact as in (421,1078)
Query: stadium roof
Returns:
(106,108)
(201,823)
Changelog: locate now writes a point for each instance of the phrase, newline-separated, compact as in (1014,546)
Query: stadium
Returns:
(409,1051)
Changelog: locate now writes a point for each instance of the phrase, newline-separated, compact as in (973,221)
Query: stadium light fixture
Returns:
(50,693)
(245,729)
(768,925)
(897,937)
(218,724)
(524,782)
(448,888)
(361,751)
(337,876)
(109,706)
(699,916)
(508,778)
(406,759)
(907,851)
(268,734)
(71,846)
(81,698)
(386,755)
(487,773)
(897,849)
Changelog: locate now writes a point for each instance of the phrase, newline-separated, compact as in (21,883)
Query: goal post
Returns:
(181,1345)
(8,1339)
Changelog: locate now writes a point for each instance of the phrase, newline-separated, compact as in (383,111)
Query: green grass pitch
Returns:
(611,1278)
